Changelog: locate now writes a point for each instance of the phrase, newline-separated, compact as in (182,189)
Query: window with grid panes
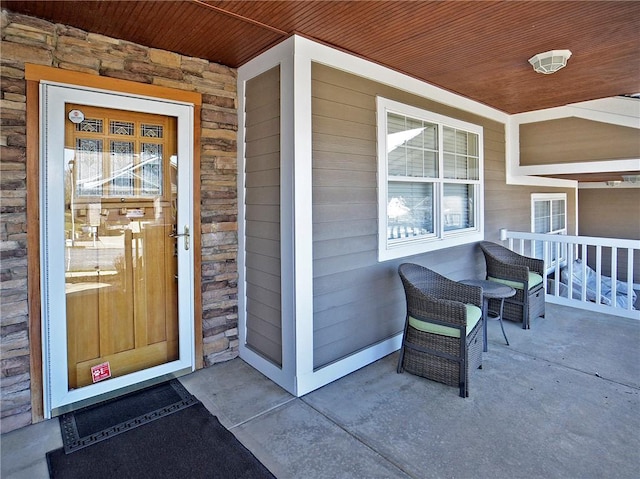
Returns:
(549,216)
(120,157)
(429,180)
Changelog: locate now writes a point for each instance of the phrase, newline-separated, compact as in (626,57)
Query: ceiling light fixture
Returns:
(550,62)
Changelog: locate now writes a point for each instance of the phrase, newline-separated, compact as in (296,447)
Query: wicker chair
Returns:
(437,343)
(522,273)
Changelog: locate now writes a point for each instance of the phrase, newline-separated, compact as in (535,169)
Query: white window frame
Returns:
(550,198)
(440,239)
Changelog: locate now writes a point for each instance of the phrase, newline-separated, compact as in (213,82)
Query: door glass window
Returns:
(120,257)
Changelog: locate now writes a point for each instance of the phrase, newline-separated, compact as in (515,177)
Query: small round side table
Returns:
(491,290)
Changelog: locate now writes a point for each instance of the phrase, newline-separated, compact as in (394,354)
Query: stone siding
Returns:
(30,40)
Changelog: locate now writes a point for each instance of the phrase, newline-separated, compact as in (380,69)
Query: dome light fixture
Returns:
(550,62)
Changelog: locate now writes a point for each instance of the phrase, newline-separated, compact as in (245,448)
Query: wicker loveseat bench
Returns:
(443,332)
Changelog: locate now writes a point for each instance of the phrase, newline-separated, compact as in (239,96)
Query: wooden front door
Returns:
(116,207)
(120,248)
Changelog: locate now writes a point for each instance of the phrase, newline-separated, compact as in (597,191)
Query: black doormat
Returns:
(190,443)
(107,419)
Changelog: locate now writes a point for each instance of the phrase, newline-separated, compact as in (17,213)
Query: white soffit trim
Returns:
(583,167)
(620,111)
(302,165)
(266,61)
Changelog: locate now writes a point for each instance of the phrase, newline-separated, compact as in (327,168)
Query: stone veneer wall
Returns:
(31,40)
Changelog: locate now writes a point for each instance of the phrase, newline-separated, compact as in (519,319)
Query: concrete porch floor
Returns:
(562,401)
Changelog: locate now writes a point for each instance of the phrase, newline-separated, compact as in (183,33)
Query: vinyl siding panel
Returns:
(269,213)
(353,194)
(262,216)
(263,195)
(611,213)
(338,143)
(262,146)
(346,246)
(265,179)
(268,230)
(569,140)
(263,247)
(267,297)
(269,343)
(263,162)
(357,300)
(342,213)
(338,178)
(264,264)
(343,161)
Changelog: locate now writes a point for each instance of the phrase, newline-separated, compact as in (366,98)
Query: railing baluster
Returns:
(598,274)
(629,279)
(557,271)
(560,253)
(570,274)
(585,258)
(614,276)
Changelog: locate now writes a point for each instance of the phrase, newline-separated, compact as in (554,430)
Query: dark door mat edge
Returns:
(72,441)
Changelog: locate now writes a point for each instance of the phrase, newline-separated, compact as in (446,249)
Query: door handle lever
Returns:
(185,235)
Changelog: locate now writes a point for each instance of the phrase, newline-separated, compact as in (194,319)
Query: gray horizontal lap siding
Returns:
(262,216)
(358,301)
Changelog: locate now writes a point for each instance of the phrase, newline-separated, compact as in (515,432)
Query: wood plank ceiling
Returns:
(476,49)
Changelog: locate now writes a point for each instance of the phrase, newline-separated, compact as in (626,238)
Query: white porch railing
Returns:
(606,287)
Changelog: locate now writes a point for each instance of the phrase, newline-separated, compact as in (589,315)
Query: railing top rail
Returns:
(588,240)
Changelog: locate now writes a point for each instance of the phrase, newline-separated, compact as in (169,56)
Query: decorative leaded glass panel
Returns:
(151,131)
(91,125)
(122,168)
(121,127)
(88,165)
(151,169)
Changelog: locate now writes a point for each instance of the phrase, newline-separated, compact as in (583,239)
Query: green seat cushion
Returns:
(473,316)
(534,280)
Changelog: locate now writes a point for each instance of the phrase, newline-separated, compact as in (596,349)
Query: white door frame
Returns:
(53,97)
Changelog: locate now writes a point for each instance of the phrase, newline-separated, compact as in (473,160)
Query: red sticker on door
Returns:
(100,372)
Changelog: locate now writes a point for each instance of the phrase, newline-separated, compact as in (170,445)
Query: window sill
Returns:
(386,253)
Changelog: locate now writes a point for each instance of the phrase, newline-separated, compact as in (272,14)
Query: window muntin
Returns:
(409,210)
(119,158)
(412,147)
(458,206)
(429,180)
(549,216)
(460,154)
